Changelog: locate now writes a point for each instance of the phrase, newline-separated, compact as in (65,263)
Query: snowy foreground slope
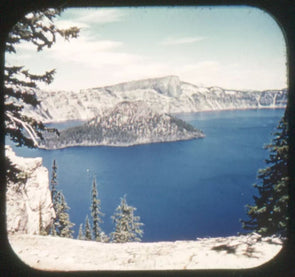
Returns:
(167,95)
(54,253)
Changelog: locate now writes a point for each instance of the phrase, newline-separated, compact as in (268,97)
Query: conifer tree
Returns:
(96,213)
(127,225)
(53,186)
(80,234)
(61,226)
(64,225)
(87,231)
(269,214)
(38,29)
(53,181)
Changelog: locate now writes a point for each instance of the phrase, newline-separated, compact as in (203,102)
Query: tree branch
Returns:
(26,126)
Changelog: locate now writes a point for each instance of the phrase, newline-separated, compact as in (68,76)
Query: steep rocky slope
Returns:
(168,95)
(26,200)
(128,123)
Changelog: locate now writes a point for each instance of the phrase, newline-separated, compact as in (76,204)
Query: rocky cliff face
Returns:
(26,200)
(165,95)
(128,123)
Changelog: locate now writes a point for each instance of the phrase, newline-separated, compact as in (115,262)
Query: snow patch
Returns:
(236,252)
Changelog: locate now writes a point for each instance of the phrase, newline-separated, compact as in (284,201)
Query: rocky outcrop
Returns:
(27,200)
(128,123)
(165,95)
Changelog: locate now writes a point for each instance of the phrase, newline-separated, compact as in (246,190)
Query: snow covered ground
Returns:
(54,253)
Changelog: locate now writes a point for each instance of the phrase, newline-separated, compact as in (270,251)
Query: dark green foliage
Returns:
(38,29)
(182,125)
(87,231)
(127,225)
(269,214)
(53,181)
(53,185)
(96,213)
(14,174)
(62,226)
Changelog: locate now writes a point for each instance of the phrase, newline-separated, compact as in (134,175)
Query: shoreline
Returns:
(227,110)
(121,145)
(175,114)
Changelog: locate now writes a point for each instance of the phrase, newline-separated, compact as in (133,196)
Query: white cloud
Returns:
(92,54)
(234,76)
(85,18)
(82,44)
(183,40)
(65,24)
(92,16)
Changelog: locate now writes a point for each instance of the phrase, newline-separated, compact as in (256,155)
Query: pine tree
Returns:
(127,225)
(61,226)
(269,214)
(53,185)
(64,225)
(20,84)
(53,181)
(81,234)
(96,213)
(87,231)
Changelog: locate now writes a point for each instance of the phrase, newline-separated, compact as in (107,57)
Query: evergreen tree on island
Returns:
(127,225)
(96,213)
(38,29)
(269,215)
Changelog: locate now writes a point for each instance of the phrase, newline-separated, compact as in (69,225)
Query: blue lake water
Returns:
(182,190)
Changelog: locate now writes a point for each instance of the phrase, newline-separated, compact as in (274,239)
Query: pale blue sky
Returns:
(230,47)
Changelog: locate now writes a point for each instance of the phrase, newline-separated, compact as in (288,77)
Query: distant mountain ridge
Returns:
(128,123)
(169,85)
(165,95)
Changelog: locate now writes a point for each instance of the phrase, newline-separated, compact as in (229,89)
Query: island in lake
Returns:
(128,123)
